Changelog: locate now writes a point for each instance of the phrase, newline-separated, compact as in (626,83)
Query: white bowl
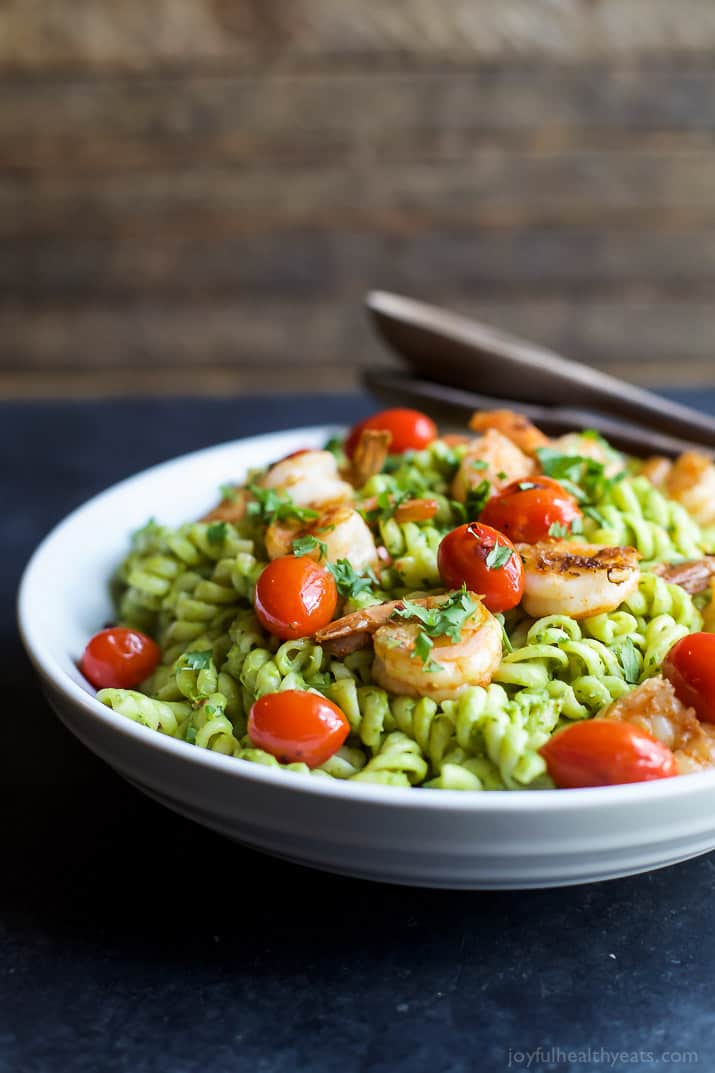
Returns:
(439,838)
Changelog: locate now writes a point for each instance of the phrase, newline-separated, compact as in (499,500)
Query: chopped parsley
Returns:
(476,499)
(305,544)
(556,529)
(335,446)
(595,516)
(387,504)
(268,506)
(443,620)
(349,582)
(217,533)
(507,646)
(228,493)
(630,660)
(501,475)
(478,463)
(525,486)
(584,477)
(196,661)
(499,556)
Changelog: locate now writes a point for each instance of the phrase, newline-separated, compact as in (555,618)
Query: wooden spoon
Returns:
(455,350)
(455,405)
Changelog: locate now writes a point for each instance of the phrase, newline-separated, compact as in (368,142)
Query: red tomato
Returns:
(468,555)
(525,510)
(119,658)
(410,430)
(690,667)
(602,752)
(295,726)
(295,597)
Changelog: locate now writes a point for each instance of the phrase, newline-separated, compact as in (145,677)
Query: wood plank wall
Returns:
(195,194)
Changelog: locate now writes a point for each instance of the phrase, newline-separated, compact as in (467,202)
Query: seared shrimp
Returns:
(344,532)
(232,508)
(567,578)
(691,481)
(580,443)
(453,666)
(654,706)
(356,630)
(517,428)
(492,457)
(693,576)
(309,478)
(369,456)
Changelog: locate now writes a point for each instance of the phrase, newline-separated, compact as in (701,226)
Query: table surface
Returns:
(134,940)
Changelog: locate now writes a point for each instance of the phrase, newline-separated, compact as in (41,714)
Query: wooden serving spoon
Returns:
(456,405)
(450,349)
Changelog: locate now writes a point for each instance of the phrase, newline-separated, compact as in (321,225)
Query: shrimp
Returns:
(708,611)
(654,706)
(232,508)
(568,578)
(309,478)
(693,576)
(491,457)
(355,631)
(470,661)
(453,665)
(369,456)
(517,428)
(691,481)
(340,528)
(590,446)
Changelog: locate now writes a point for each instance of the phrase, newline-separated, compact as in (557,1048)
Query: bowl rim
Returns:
(440,800)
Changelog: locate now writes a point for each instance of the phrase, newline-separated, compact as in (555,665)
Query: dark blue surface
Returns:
(134,940)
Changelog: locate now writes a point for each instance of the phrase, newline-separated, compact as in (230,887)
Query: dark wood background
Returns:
(195,194)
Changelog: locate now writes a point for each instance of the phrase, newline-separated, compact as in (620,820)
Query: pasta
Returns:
(193,589)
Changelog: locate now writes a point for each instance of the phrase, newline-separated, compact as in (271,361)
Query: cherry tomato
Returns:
(119,658)
(469,554)
(602,752)
(690,667)
(526,510)
(295,726)
(295,597)
(410,430)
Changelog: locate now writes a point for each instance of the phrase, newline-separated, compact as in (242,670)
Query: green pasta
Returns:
(192,589)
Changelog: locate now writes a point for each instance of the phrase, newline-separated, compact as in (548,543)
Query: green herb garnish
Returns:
(228,493)
(349,582)
(196,661)
(630,660)
(556,529)
(305,544)
(476,499)
(478,463)
(387,504)
(498,556)
(217,532)
(268,505)
(595,516)
(443,620)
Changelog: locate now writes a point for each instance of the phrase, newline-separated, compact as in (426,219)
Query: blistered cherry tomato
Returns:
(690,667)
(526,510)
(602,752)
(295,726)
(119,658)
(486,561)
(295,597)
(410,430)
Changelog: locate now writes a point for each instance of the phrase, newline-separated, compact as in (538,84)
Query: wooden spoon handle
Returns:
(455,350)
(455,405)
